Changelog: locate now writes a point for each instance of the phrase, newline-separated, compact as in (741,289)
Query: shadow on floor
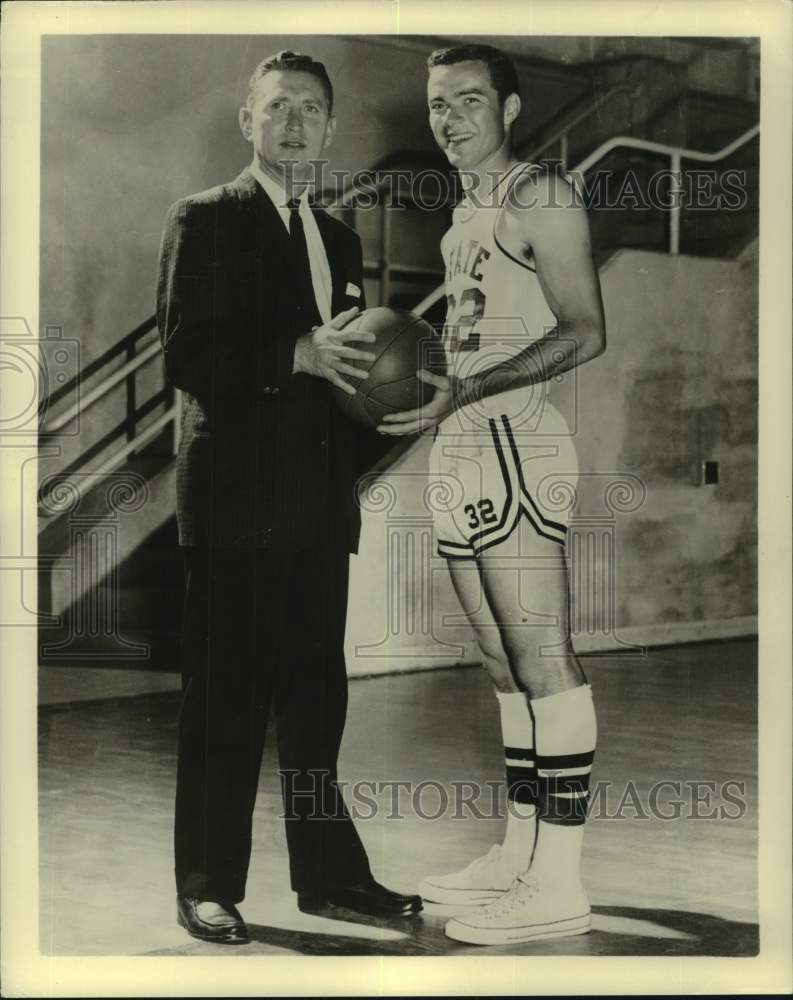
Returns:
(699,933)
(617,930)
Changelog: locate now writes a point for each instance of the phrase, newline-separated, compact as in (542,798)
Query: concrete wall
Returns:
(656,555)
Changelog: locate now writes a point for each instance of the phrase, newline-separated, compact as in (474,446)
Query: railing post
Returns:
(385,250)
(131,423)
(564,150)
(177,420)
(675,210)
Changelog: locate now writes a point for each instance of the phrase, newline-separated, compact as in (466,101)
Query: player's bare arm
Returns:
(325,351)
(543,223)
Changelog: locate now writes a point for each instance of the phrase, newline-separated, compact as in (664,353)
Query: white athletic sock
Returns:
(565,737)
(517,729)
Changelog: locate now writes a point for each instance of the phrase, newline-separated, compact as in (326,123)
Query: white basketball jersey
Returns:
(499,456)
(495,304)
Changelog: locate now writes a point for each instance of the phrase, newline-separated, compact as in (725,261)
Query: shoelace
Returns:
(523,888)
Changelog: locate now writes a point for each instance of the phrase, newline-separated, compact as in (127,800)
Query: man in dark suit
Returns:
(256,288)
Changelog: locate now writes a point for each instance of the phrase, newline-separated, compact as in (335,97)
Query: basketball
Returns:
(403,343)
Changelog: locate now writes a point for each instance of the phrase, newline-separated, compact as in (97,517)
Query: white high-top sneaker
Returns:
(528,911)
(484,880)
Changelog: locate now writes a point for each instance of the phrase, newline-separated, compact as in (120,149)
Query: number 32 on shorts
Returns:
(480,513)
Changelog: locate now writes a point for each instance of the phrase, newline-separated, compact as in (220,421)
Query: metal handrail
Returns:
(562,134)
(627,142)
(139,440)
(125,345)
(102,389)
(675,153)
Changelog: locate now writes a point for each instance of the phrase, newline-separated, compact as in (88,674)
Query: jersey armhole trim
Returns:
(512,257)
(525,168)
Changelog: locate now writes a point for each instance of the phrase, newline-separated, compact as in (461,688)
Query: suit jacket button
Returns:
(276,391)
(266,390)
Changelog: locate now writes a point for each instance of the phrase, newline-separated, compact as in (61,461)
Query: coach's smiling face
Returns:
(288,122)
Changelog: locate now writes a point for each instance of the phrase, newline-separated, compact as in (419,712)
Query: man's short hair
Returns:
(292,62)
(503,74)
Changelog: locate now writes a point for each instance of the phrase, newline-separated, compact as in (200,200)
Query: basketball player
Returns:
(524,305)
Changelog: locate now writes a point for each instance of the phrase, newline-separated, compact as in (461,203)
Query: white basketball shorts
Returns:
(494,463)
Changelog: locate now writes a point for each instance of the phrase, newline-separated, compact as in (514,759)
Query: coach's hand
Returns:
(426,417)
(325,352)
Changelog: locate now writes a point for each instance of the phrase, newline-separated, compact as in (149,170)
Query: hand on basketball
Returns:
(325,352)
(426,417)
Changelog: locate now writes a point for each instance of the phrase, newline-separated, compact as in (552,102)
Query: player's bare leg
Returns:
(488,877)
(525,582)
(467,582)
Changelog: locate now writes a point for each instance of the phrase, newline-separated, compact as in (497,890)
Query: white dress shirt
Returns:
(317,255)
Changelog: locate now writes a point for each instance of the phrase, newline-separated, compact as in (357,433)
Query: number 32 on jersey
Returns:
(459,333)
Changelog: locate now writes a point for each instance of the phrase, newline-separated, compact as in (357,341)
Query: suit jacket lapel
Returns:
(251,194)
(275,235)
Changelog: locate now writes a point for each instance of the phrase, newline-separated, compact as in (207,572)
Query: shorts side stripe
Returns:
(511,509)
(455,555)
(494,539)
(454,550)
(546,521)
(486,540)
(541,530)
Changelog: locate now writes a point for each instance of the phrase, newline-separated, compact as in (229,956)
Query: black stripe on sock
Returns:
(522,788)
(560,762)
(571,818)
(519,753)
(555,784)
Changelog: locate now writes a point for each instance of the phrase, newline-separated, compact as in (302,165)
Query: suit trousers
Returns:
(263,628)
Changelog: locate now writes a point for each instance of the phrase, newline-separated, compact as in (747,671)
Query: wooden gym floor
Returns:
(675,886)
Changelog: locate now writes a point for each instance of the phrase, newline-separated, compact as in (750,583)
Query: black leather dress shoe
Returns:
(219,923)
(369,898)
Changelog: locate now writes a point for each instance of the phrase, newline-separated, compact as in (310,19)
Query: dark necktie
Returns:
(307,313)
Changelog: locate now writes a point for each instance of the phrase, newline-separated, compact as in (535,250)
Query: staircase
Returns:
(110,577)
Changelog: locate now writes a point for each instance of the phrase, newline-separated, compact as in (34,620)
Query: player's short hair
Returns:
(503,74)
(292,62)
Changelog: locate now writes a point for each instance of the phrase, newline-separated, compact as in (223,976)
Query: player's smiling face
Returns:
(288,123)
(466,115)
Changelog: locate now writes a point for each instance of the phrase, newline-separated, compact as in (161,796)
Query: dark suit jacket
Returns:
(266,459)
